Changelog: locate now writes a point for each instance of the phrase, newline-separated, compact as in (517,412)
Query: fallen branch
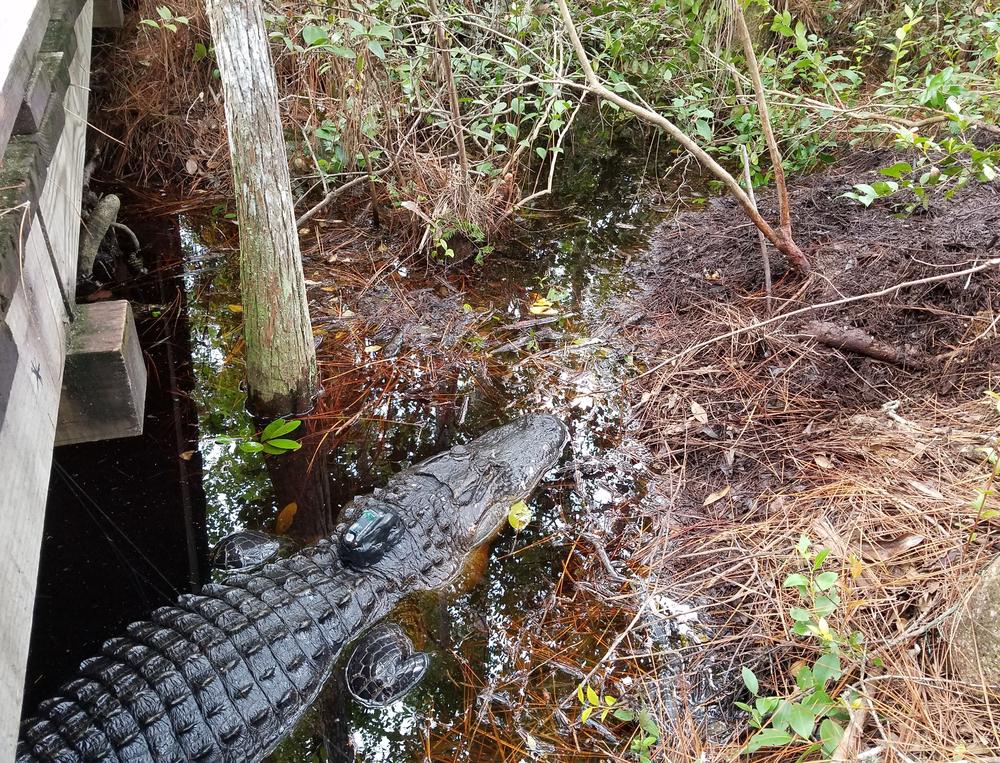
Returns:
(322,203)
(861,342)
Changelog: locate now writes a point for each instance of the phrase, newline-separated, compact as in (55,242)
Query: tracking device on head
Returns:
(369,537)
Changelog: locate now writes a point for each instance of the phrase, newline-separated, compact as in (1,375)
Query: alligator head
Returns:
(452,503)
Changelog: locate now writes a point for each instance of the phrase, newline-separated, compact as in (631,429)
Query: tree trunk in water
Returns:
(280,355)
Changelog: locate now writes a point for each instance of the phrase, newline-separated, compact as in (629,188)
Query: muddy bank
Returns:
(783,430)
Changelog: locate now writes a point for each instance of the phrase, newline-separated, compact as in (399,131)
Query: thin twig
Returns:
(748,181)
(322,203)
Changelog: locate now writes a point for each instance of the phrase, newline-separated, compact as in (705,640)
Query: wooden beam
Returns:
(104,384)
(24,26)
(60,200)
(37,323)
(50,80)
(22,178)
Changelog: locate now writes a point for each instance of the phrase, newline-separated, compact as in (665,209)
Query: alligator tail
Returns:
(219,676)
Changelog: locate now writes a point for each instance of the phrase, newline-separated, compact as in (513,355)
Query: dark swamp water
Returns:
(130,522)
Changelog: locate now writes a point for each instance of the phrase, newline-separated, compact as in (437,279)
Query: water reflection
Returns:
(473,635)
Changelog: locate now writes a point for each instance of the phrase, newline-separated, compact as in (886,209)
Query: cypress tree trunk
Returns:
(280,355)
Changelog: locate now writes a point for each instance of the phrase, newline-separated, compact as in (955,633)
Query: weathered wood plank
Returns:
(59,204)
(24,25)
(50,80)
(37,323)
(104,381)
(22,178)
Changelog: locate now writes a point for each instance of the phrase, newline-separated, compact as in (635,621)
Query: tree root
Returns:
(94,230)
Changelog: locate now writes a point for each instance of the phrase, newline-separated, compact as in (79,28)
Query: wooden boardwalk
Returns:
(45,48)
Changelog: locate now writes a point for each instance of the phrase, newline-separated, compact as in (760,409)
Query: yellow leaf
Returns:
(592,697)
(856,567)
(700,414)
(519,515)
(586,713)
(373,348)
(236,308)
(579,694)
(285,517)
(542,310)
(718,495)
(609,700)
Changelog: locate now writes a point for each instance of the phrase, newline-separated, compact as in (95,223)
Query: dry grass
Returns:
(161,124)
(886,488)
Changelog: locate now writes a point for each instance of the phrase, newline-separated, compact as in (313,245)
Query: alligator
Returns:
(225,674)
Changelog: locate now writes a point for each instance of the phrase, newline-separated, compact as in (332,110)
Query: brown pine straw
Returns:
(165,117)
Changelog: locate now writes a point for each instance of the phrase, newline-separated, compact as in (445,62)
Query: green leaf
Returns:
(820,558)
(647,724)
(150,22)
(313,35)
(804,678)
(251,447)
(830,732)
(795,580)
(376,48)
(768,738)
(803,545)
(200,52)
(540,150)
(826,580)
(281,444)
(519,516)
(827,668)
(824,606)
(800,615)
(624,715)
(164,12)
(802,720)
(750,680)
(279,428)
(586,713)
(897,170)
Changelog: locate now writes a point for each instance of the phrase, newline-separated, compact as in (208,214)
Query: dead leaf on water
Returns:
(718,495)
(186,455)
(236,308)
(373,348)
(285,518)
(542,306)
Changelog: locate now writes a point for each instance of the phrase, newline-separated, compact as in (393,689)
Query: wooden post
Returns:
(280,355)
